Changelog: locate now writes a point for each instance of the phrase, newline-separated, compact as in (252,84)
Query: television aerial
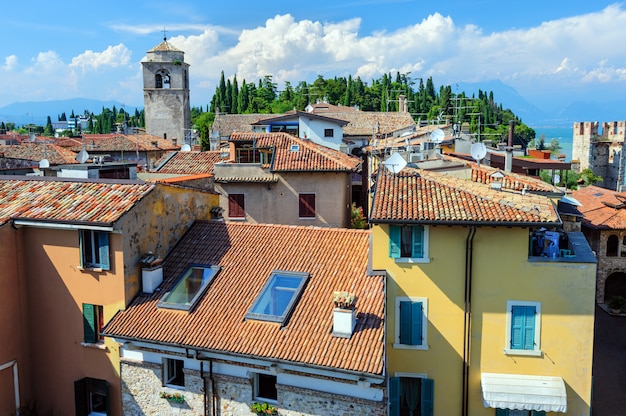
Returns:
(478,152)
(437,136)
(395,163)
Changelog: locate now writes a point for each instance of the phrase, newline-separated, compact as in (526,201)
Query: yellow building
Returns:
(490,307)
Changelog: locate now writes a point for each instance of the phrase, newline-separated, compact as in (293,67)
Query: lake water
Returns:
(562,134)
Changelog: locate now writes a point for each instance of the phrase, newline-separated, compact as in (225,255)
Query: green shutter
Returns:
(502,412)
(394,396)
(522,327)
(428,396)
(417,311)
(418,242)
(103,250)
(394,241)
(411,323)
(90,323)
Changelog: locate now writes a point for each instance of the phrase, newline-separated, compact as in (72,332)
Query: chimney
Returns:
(508,159)
(344,314)
(151,272)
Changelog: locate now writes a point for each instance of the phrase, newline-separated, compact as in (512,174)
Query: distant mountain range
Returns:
(37,112)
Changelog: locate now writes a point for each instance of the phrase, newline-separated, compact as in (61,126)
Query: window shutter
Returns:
(81,397)
(394,396)
(394,241)
(523,327)
(306,205)
(405,322)
(539,413)
(418,242)
(529,328)
(417,311)
(428,396)
(502,412)
(103,250)
(81,245)
(90,323)
(236,206)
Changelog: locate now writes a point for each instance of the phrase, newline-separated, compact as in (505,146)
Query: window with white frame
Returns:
(265,387)
(411,323)
(94,249)
(408,243)
(523,328)
(173,375)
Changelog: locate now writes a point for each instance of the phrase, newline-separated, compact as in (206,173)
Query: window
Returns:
(94,248)
(306,205)
(507,412)
(265,387)
(173,375)
(329,133)
(91,397)
(278,296)
(411,396)
(408,242)
(236,206)
(93,322)
(411,323)
(189,288)
(158,81)
(523,328)
(612,244)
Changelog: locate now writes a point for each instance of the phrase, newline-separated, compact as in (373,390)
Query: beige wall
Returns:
(277,203)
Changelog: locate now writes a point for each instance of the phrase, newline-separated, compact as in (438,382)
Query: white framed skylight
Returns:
(278,296)
(190,287)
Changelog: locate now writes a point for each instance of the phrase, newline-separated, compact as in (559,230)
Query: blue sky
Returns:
(551,51)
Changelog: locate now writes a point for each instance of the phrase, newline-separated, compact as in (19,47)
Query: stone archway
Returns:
(615,285)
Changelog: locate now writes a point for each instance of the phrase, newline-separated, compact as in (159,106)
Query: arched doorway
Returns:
(615,285)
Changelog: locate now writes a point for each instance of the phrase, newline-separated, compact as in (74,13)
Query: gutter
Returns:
(470,223)
(63,226)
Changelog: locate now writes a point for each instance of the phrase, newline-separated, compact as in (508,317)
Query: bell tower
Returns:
(166,93)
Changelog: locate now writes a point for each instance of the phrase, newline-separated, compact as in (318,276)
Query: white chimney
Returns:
(344,314)
(151,273)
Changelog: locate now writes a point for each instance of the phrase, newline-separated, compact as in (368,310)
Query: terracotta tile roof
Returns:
(336,259)
(512,181)
(309,158)
(227,124)
(365,123)
(420,196)
(164,46)
(602,208)
(188,162)
(56,155)
(296,115)
(65,200)
(124,142)
(328,108)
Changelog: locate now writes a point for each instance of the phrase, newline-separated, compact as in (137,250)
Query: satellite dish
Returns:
(185,148)
(44,163)
(556,179)
(395,163)
(82,156)
(478,151)
(437,136)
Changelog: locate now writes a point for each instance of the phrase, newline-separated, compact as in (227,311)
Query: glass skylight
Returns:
(278,296)
(190,287)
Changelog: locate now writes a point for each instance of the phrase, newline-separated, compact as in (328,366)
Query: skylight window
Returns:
(189,288)
(278,297)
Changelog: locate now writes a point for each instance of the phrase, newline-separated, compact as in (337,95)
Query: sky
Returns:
(550,51)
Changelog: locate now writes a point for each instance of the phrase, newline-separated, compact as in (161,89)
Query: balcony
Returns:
(559,246)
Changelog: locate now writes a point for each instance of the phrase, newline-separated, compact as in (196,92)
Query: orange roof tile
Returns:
(188,162)
(602,208)
(310,156)
(55,154)
(420,196)
(336,259)
(67,200)
(124,142)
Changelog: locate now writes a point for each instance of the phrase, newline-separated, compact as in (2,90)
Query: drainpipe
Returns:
(213,393)
(508,158)
(467,331)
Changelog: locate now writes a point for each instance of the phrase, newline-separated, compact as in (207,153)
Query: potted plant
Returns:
(262,409)
(617,304)
(173,397)
(344,300)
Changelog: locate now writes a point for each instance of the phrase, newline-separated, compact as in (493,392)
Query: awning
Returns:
(521,392)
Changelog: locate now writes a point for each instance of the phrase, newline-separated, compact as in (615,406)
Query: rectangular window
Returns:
(236,206)
(91,397)
(173,375)
(507,412)
(411,396)
(94,248)
(523,320)
(189,288)
(408,242)
(306,205)
(93,322)
(329,133)
(411,323)
(278,297)
(265,387)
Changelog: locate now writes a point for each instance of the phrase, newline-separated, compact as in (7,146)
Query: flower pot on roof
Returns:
(172,397)
(344,314)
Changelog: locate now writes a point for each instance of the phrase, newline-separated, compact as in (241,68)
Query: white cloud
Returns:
(10,63)
(113,56)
